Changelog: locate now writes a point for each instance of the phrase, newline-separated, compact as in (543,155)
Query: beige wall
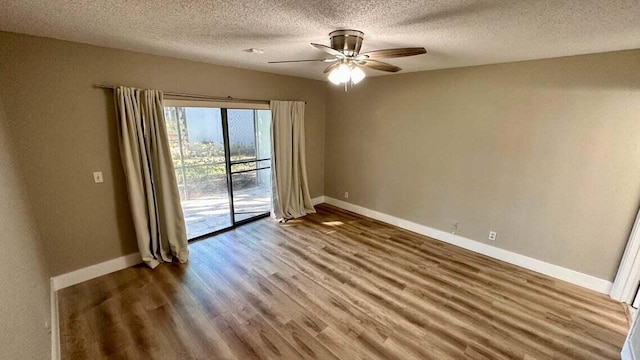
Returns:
(64,130)
(24,296)
(543,152)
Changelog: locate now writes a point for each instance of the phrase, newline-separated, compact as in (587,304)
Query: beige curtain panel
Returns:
(151,182)
(290,193)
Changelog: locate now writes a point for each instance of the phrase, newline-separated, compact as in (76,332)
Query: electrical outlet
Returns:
(346,195)
(97,177)
(492,235)
(454,227)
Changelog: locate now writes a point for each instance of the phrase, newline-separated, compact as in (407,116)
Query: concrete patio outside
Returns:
(211,213)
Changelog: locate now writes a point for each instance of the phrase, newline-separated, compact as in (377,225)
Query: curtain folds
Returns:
(290,193)
(151,183)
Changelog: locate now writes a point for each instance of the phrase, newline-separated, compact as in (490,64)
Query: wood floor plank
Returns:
(335,285)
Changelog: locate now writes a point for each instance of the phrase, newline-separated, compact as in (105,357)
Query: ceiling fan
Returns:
(347,59)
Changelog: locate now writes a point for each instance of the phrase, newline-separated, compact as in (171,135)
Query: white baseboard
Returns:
(94,271)
(55,323)
(572,276)
(317,200)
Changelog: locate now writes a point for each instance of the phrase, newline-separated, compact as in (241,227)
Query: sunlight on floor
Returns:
(333,223)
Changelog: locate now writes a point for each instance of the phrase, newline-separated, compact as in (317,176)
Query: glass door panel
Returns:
(250,197)
(196,141)
(250,153)
(242,138)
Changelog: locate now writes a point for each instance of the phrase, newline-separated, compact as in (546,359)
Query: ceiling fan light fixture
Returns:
(357,75)
(340,75)
(348,61)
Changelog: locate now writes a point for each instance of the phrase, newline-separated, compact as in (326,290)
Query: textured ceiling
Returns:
(454,32)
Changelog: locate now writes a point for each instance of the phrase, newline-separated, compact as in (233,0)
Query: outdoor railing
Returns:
(200,180)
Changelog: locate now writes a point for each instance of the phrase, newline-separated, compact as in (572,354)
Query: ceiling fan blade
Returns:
(328,50)
(331,67)
(392,53)
(296,61)
(378,65)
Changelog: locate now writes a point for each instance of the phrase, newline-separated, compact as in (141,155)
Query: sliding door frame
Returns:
(230,173)
(228,162)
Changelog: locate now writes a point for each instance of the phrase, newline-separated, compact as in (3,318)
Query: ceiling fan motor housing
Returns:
(347,42)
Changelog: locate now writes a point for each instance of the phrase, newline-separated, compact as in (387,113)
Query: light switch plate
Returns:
(97,177)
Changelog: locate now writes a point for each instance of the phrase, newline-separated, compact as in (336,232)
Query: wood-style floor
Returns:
(335,285)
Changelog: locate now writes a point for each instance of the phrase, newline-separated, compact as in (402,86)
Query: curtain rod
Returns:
(199,97)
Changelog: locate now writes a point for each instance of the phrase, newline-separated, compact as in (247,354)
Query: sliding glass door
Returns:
(222,159)
(250,145)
